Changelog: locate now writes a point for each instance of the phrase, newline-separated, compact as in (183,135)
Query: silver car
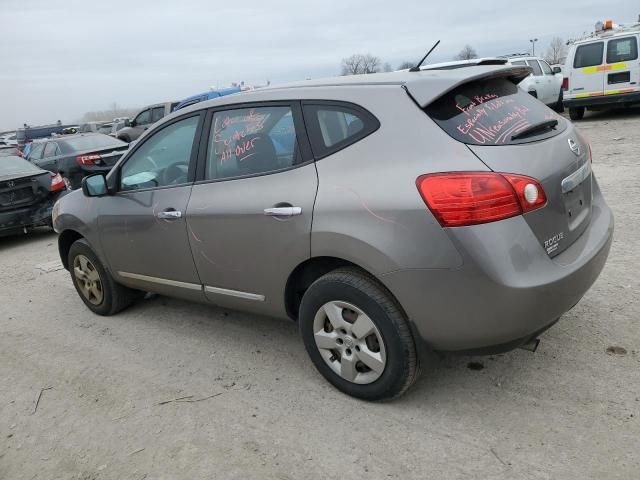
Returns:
(389,215)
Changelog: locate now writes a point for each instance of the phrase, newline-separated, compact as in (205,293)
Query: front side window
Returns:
(144,118)
(51,150)
(156,114)
(163,159)
(622,50)
(588,55)
(536,68)
(546,69)
(333,127)
(250,141)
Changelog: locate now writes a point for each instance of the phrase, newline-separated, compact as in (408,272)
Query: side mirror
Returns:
(557,70)
(94,185)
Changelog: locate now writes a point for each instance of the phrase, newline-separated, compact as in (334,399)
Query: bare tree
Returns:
(467,53)
(359,63)
(406,65)
(556,52)
(387,67)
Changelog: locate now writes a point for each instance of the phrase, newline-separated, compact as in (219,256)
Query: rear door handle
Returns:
(170,214)
(283,211)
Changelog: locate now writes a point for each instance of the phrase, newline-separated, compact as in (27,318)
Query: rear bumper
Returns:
(602,100)
(507,290)
(17,220)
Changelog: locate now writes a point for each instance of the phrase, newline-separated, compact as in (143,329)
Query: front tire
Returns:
(94,284)
(576,113)
(357,336)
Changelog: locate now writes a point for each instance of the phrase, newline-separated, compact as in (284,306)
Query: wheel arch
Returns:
(313,268)
(65,240)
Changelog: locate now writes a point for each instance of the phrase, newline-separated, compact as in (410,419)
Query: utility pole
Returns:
(533,46)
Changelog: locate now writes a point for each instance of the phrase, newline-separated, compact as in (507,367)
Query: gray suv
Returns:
(388,215)
(143,120)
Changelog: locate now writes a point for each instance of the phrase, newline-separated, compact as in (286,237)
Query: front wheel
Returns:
(94,284)
(357,336)
(576,113)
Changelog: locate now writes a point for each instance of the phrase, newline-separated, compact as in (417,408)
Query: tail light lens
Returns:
(471,198)
(88,159)
(57,183)
(565,83)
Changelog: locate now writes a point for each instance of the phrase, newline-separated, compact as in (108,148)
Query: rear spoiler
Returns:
(429,85)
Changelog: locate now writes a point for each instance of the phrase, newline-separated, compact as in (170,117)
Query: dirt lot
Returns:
(256,409)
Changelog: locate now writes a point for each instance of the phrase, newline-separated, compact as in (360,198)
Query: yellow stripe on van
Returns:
(602,68)
(624,90)
(585,95)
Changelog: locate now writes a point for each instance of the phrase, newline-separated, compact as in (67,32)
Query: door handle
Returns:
(170,214)
(283,211)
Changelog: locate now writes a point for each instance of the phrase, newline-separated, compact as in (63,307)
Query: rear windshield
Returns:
(490,112)
(92,142)
(16,166)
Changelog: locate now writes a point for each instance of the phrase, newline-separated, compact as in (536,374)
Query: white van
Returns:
(603,70)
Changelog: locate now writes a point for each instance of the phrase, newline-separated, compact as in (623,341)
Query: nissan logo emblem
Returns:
(574,146)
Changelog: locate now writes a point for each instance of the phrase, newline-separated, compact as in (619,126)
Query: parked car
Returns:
(544,83)
(27,195)
(602,70)
(75,156)
(143,120)
(91,127)
(9,139)
(7,150)
(116,126)
(201,97)
(469,224)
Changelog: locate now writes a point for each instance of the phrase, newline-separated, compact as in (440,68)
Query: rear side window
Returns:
(333,127)
(490,112)
(588,55)
(251,141)
(622,50)
(51,149)
(535,66)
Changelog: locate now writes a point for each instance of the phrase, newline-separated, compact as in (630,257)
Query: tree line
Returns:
(364,63)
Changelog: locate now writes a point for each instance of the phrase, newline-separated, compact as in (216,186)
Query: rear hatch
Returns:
(512,132)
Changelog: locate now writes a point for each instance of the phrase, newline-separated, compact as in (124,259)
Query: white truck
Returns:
(602,69)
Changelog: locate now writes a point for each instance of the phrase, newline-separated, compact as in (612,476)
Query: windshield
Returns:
(93,142)
(16,166)
(491,112)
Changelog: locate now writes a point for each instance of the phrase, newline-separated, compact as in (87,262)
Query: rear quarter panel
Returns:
(368,209)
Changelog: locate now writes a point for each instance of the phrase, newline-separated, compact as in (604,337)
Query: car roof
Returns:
(424,86)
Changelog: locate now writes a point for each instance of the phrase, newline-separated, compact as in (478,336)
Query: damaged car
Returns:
(27,195)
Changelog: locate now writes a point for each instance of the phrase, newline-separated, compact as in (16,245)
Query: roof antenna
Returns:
(417,67)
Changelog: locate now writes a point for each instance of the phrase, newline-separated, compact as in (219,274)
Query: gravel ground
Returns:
(255,408)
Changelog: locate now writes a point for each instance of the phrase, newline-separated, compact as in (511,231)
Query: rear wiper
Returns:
(530,130)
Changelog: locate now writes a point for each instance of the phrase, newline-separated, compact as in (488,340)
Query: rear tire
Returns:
(94,284)
(576,113)
(357,336)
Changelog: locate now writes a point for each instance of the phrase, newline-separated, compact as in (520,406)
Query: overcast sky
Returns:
(62,59)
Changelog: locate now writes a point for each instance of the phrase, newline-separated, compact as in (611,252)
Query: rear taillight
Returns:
(57,183)
(88,159)
(565,83)
(471,198)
